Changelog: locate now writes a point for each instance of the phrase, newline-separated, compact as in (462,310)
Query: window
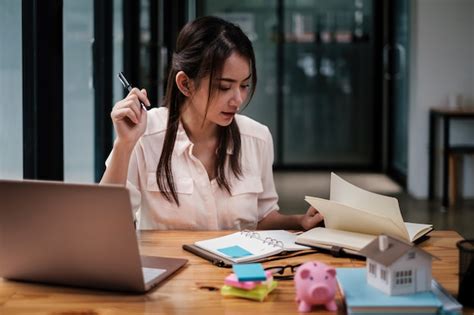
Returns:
(403,278)
(119,91)
(78,28)
(372,269)
(11,113)
(411,255)
(383,274)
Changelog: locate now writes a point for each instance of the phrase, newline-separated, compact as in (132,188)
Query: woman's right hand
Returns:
(129,118)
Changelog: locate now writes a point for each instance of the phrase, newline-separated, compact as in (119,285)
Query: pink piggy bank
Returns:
(315,284)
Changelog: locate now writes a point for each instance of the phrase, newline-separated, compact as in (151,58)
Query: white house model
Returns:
(395,267)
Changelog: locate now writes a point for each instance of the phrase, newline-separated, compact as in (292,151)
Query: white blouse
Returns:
(203,205)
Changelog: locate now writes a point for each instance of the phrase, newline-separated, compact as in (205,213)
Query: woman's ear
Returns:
(183,83)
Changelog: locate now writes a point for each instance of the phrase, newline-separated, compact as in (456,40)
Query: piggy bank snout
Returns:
(320,291)
(315,289)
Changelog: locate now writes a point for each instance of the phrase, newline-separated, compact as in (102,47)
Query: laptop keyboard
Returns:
(151,273)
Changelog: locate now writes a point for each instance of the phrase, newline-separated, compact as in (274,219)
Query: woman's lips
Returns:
(228,114)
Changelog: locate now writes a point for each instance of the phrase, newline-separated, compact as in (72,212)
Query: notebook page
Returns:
(257,248)
(416,230)
(342,217)
(353,196)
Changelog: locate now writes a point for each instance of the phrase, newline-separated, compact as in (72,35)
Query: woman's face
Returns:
(230,90)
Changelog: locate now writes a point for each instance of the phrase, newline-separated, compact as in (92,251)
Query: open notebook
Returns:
(353,217)
(250,246)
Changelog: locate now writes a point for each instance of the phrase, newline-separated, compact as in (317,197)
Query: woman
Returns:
(195,163)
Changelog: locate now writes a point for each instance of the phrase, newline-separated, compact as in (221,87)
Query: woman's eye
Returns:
(224,88)
(245,86)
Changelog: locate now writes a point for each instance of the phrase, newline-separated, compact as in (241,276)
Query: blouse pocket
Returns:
(183,185)
(242,206)
(247,185)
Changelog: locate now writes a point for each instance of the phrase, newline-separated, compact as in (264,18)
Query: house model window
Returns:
(383,274)
(372,269)
(404,269)
(403,277)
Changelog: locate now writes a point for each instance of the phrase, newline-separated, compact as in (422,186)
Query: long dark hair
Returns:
(202,48)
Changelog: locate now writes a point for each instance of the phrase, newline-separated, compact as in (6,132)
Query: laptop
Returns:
(74,234)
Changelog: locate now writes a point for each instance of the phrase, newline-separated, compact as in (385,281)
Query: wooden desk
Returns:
(446,116)
(183,293)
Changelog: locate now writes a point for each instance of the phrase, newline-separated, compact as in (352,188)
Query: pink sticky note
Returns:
(234,282)
(246,285)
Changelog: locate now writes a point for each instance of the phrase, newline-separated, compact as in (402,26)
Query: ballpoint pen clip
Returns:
(124,81)
(127,86)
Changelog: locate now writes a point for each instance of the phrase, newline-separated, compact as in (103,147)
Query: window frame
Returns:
(42,68)
(373,269)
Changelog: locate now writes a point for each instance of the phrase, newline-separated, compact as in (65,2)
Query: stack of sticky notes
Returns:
(249,281)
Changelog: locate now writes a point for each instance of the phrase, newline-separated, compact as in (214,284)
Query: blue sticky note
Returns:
(249,272)
(235,251)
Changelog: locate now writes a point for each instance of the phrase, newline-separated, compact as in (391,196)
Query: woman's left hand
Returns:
(311,219)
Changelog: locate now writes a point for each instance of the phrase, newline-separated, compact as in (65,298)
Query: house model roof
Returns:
(395,249)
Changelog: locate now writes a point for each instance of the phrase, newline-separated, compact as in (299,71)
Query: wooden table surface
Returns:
(187,292)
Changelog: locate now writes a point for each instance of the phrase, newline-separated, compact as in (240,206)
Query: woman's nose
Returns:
(237,98)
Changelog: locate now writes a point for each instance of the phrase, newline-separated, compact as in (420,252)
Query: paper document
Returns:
(353,217)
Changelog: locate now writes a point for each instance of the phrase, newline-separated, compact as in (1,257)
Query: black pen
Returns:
(127,86)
